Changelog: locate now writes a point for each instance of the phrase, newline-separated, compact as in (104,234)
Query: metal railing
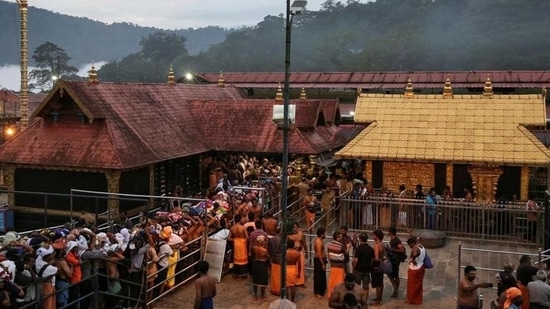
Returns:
(97,295)
(467,220)
(486,272)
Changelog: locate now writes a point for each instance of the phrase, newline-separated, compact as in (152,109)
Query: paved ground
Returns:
(439,283)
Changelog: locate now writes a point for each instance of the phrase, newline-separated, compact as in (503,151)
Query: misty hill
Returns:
(84,39)
(389,35)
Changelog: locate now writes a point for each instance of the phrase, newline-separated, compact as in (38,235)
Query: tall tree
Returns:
(163,47)
(52,62)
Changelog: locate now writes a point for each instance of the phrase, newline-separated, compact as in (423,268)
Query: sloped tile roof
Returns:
(246,125)
(146,123)
(465,128)
(307,112)
(384,80)
(346,133)
(73,145)
(330,108)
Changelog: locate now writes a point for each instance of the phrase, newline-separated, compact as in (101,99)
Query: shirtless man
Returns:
(270,226)
(255,208)
(205,288)
(309,203)
(260,256)
(300,245)
(319,264)
(239,237)
(293,268)
(244,208)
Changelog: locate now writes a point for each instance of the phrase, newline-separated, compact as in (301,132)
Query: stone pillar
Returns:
(113,186)
(524,183)
(449,176)
(485,180)
(9,183)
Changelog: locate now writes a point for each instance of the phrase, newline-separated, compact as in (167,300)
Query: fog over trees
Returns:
(385,35)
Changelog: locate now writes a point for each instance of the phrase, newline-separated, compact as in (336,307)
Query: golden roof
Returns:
(461,129)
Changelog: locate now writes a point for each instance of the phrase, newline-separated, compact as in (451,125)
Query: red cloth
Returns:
(415,285)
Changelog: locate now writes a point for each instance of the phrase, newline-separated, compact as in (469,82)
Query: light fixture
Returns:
(189,76)
(10,131)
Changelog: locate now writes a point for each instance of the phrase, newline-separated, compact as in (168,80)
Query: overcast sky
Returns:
(172,14)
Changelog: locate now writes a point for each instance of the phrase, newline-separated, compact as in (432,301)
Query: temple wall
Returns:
(408,173)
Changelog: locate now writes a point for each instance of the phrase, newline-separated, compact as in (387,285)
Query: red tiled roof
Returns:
(133,125)
(330,108)
(384,80)
(246,125)
(144,124)
(307,112)
(70,144)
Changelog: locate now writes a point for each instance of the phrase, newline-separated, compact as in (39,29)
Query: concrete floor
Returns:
(439,282)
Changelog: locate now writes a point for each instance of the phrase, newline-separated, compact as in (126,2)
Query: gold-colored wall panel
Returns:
(524,192)
(409,174)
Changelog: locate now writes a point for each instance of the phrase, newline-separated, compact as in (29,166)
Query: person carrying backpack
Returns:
(397,254)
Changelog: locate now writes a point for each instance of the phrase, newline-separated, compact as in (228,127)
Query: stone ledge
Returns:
(430,239)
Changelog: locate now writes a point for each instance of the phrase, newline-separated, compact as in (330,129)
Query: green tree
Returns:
(52,62)
(162,47)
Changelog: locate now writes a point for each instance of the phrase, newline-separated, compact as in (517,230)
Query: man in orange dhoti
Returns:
(300,245)
(274,249)
(309,202)
(239,237)
(293,269)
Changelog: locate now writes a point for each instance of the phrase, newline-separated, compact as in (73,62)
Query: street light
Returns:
(296,8)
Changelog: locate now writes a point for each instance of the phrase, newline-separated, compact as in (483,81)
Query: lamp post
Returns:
(296,8)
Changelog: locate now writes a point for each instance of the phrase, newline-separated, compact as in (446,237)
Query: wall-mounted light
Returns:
(10,131)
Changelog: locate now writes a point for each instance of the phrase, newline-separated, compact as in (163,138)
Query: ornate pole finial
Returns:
(171,77)
(409,90)
(303,95)
(279,95)
(448,89)
(488,89)
(92,74)
(221,81)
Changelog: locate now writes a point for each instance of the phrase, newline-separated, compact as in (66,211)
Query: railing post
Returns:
(95,296)
(483,213)
(459,274)
(480,301)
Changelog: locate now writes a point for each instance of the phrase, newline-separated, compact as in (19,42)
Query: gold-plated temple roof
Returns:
(465,129)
